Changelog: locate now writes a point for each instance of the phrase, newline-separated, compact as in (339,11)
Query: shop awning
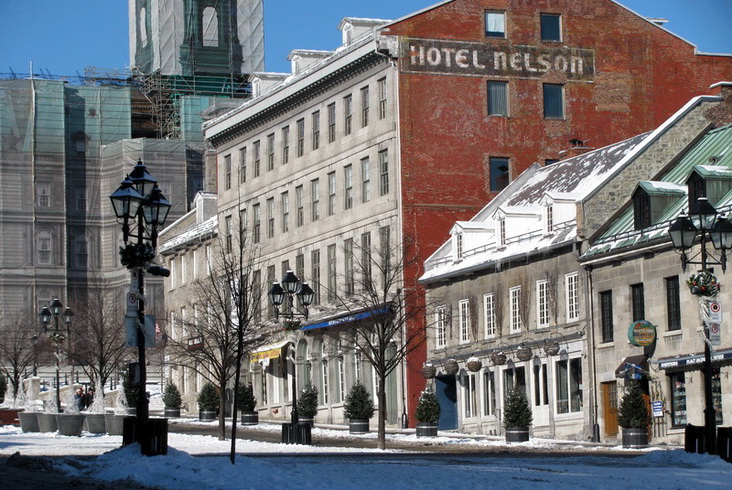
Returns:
(633,367)
(347,318)
(268,351)
(693,361)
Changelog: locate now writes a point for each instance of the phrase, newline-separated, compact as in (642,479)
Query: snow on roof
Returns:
(193,234)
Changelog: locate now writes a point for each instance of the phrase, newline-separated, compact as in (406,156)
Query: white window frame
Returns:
(464,316)
(515,308)
(571,294)
(489,314)
(542,303)
(488,380)
(44,195)
(470,396)
(440,326)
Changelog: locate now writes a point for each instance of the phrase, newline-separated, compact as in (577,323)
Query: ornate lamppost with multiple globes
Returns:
(55,310)
(703,225)
(282,295)
(141,208)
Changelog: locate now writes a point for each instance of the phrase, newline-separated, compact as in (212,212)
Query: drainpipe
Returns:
(591,353)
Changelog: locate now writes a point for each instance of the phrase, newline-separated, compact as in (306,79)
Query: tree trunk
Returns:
(381,394)
(222,411)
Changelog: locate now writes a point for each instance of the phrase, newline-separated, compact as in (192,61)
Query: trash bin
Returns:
(297,434)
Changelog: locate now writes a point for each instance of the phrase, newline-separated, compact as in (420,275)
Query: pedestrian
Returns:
(79,400)
(89,398)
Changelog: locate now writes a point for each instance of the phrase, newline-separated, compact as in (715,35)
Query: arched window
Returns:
(210,28)
(143,26)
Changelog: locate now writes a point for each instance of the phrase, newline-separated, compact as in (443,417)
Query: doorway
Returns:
(446,388)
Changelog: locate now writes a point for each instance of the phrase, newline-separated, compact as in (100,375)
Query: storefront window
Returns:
(489,393)
(717,394)
(569,385)
(678,399)
(514,378)
(470,396)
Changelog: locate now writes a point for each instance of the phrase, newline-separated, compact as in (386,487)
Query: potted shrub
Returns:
(428,413)
(208,402)
(307,404)
(517,416)
(633,416)
(359,408)
(172,400)
(246,403)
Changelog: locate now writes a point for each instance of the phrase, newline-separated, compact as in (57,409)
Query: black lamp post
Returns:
(142,209)
(704,225)
(54,310)
(283,293)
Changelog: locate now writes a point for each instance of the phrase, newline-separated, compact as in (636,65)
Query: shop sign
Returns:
(641,333)
(657,408)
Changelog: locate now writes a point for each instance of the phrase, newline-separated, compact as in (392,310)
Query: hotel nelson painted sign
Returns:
(476,59)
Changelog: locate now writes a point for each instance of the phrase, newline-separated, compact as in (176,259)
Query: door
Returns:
(610,407)
(446,387)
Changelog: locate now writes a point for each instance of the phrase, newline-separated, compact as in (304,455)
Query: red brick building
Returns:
(491,86)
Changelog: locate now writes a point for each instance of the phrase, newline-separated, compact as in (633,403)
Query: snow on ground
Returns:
(279,467)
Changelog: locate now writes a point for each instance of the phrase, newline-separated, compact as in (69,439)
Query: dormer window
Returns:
(501,232)
(348,35)
(256,87)
(651,200)
(550,219)
(459,246)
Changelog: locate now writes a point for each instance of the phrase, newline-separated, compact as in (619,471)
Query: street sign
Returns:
(714,311)
(715,336)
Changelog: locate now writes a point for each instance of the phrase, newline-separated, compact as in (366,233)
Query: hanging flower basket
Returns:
(136,255)
(474,364)
(498,358)
(451,367)
(703,283)
(291,325)
(57,337)
(551,347)
(429,370)
(524,353)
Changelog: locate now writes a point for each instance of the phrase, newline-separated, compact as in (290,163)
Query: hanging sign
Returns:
(714,311)
(715,337)
(657,407)
(641,333)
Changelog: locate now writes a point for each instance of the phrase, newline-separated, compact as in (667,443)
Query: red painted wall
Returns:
(643,74)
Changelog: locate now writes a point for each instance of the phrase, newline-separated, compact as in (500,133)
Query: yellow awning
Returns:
(268,351)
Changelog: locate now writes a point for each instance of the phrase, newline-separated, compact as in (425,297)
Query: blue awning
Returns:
(347,318)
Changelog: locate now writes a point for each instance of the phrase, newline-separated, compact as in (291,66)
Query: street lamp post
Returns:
(54,310)
(703,225)
(141,208)
(282,295)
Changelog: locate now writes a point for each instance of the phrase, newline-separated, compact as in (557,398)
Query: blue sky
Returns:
(62,37)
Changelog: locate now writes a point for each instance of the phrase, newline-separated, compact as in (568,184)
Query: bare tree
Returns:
(98,343)
(225,322)
(17,351)
(383,339)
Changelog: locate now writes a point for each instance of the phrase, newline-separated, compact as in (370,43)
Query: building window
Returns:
(243,165)
(300,137)
(348,265)
(470,396)
(243,224)
(386,252)
(365,180)
(227,172)
(458,246)
(571,283)
(332,273)
(227,247)
(257,221)
(270,217)
(440,326)
(464,312)
(541,384)
(210,26)
(348,181)
(314,199)
(489,303)
(384,172)
(551,27)
(542,304)
(673,305)
(270,152)
(677,383)
(257,158)
(550,219)
(300,217)
(316,129)
(515,302)
(366,258)
(81,201)
(341,380)
(285,212)
(569,385)
(498,99)
(495,24)
(638,306)
(285,145)
(489,393)
(44,195)
(331,193)
(364,107)
(515,379)
(499,173)
(331,122)
(553,101)
(315,275)
(382,98)
(606,315)
(82,252)
(347,114)
(324,380)
(550,161)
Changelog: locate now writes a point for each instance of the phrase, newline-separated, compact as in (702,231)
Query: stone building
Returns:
(449,104)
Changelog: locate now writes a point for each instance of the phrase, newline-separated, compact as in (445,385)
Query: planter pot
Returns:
(426,429)
(429,371)
(358,426)
(635,438)
(517,434)
(451,367)
(249,418)
(94,423)
(474,365)
(29,421)
(172,413)
(47,422)
(206,415)
(70,424)
(114,424)
(307,420)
